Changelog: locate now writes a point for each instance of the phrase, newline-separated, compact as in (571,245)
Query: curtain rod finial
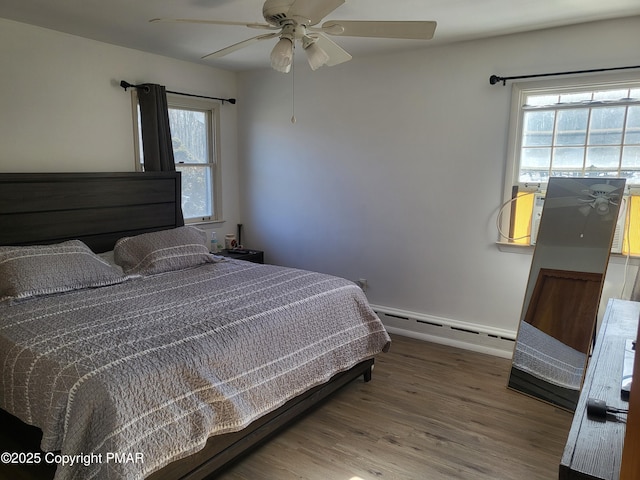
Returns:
(232,101)
(493,79)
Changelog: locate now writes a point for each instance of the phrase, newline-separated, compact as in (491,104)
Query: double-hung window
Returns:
(586,130)
(194,127)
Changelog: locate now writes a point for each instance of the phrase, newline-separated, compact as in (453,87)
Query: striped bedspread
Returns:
(152,367)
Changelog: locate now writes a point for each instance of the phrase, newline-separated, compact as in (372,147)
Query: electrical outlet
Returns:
(363,284)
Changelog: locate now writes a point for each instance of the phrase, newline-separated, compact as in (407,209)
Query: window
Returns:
(194,134)
(587,130)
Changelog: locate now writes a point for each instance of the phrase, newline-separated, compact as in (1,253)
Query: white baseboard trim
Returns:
(468,336)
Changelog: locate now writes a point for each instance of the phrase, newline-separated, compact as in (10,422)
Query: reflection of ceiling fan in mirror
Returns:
(294,21)
(597,198)
(600,198)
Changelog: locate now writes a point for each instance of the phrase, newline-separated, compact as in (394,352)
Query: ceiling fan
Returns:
(598,198)
(295,21)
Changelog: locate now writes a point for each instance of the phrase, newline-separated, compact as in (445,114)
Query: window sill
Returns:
(204,222)
(528,250)
(515,247)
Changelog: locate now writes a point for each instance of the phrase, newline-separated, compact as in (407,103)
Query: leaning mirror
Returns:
(561,301)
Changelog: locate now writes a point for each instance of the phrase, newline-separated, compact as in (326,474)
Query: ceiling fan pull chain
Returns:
(293,86)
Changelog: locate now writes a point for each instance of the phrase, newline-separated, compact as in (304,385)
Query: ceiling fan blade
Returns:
(311,12)
(336,53)
(564,202)
(239,45)
(587,190)
(416,30)
(214,22)
(604,188)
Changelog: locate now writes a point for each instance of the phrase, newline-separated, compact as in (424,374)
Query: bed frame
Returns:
(100,208)
(97,208)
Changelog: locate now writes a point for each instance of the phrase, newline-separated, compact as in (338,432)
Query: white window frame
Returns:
(518,94)
(211,108)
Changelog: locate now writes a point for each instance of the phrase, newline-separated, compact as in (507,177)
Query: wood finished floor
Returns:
(431,412)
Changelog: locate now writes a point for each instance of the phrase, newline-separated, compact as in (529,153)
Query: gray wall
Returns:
(394,170)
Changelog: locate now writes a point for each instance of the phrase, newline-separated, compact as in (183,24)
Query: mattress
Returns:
(142,372)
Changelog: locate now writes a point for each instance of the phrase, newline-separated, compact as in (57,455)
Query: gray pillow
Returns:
(163,251)
(44,269)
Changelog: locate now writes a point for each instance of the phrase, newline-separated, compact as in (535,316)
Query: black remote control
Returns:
(627,368)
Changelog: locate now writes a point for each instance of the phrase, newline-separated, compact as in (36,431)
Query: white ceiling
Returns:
(125,22)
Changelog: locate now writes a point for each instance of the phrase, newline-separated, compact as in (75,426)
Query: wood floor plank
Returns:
(430,412)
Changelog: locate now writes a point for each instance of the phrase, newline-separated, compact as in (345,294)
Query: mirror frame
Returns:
(559,314)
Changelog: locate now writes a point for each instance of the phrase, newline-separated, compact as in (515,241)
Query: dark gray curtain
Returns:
(156,134)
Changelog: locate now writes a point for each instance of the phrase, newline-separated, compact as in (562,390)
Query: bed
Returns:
(165,369)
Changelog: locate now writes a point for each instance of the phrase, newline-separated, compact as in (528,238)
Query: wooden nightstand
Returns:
(255,256)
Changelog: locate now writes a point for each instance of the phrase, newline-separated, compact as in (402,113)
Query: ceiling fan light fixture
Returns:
(601,206)
(585,210)
(316,56)
(282,55)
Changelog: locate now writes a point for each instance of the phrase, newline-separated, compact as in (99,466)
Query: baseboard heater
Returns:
(449,332)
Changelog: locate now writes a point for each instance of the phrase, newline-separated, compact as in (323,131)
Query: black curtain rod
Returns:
(493,79)
(124,84)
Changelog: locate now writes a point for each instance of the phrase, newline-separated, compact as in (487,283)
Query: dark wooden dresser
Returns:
(594,447)
(255,256)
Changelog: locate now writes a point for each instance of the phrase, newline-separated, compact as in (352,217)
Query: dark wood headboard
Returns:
(97,208)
